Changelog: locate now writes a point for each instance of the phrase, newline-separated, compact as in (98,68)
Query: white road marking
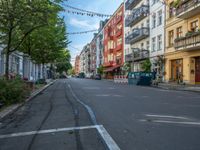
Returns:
(107,95)
(103,95)
(172,122)
(111,144)
(166,116)
(47,131)
(91,88)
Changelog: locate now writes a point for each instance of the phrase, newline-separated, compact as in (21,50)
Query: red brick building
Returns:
(114,43)
(77,65)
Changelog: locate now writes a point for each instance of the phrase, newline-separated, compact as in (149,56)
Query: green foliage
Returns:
(63,62)
(176,3)
(71,71)
(13,91)
(100,70)
(19,18)
(146,65)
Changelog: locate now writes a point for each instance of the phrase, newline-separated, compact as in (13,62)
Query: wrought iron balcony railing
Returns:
(140,54)
(137,15)
(129,57)
(137,35)
(130,4)
(188,8)
(190,42)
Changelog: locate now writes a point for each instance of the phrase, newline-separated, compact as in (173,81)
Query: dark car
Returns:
(97,77)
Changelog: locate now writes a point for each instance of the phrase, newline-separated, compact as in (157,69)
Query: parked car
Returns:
(63,76)
(97,77)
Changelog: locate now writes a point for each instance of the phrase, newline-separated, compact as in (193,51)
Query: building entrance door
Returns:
(177,69)
(197,70)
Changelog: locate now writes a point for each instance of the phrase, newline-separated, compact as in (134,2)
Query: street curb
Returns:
(176,89)
(13,108)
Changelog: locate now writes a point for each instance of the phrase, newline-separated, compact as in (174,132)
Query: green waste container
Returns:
(140,78)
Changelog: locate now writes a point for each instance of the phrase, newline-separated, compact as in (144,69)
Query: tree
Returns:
(100,70)
(47,45)
(63,63)
(19,18)
(146,65)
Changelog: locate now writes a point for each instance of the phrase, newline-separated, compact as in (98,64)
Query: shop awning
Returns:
(110,69)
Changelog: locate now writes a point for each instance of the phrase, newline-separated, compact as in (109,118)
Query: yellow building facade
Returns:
(182,48)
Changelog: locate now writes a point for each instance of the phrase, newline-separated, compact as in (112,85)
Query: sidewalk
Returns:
(181,87)
(11,109)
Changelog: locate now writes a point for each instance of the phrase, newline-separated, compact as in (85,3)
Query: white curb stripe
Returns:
(46,131)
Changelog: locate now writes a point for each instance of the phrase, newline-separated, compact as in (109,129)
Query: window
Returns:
(170,38)
(142,45)
(153,44)
(179,32)
(142,25)
(159,42)
(194,26)
(154,21)
(160,17)
(148,23)
(171,10)
(147,45)
(154,1)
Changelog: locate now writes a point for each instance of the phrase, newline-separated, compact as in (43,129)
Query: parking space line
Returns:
(166,116)
(47,131)
(111,144)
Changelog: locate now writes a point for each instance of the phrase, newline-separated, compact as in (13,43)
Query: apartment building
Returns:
(182,55)
(157,36)
(15,63)
(93,54)
(85,60)
(113,43)
(77,65)
(99,44)
(137,33)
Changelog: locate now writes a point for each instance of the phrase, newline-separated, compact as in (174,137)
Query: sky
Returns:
(78,23)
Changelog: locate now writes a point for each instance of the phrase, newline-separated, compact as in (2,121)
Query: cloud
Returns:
(83,24)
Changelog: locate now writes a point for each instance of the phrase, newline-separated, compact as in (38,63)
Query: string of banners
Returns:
(79,11)
(82,32)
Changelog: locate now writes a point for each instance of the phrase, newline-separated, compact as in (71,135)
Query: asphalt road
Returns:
(126,117)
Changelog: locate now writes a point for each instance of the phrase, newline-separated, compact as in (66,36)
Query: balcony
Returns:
(110,37)
(108,64)
(129,57)
(140,54)
(188,8)
(118,32)
(130,4)
(137,35)
(190,42)
(137,15)
(119,47)
(110,50)
(118,19)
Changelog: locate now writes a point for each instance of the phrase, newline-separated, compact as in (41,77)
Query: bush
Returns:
(13,91)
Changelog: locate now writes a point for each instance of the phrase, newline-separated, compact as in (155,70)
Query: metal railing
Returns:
(188,42)
(137,15)
(187,5)
(130,4)
(140,55)
(137,35)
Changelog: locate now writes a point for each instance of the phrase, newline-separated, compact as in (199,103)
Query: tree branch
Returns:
(25,35)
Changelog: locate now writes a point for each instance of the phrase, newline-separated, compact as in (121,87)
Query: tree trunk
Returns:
(7,66)
(43,74)
(8,53)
